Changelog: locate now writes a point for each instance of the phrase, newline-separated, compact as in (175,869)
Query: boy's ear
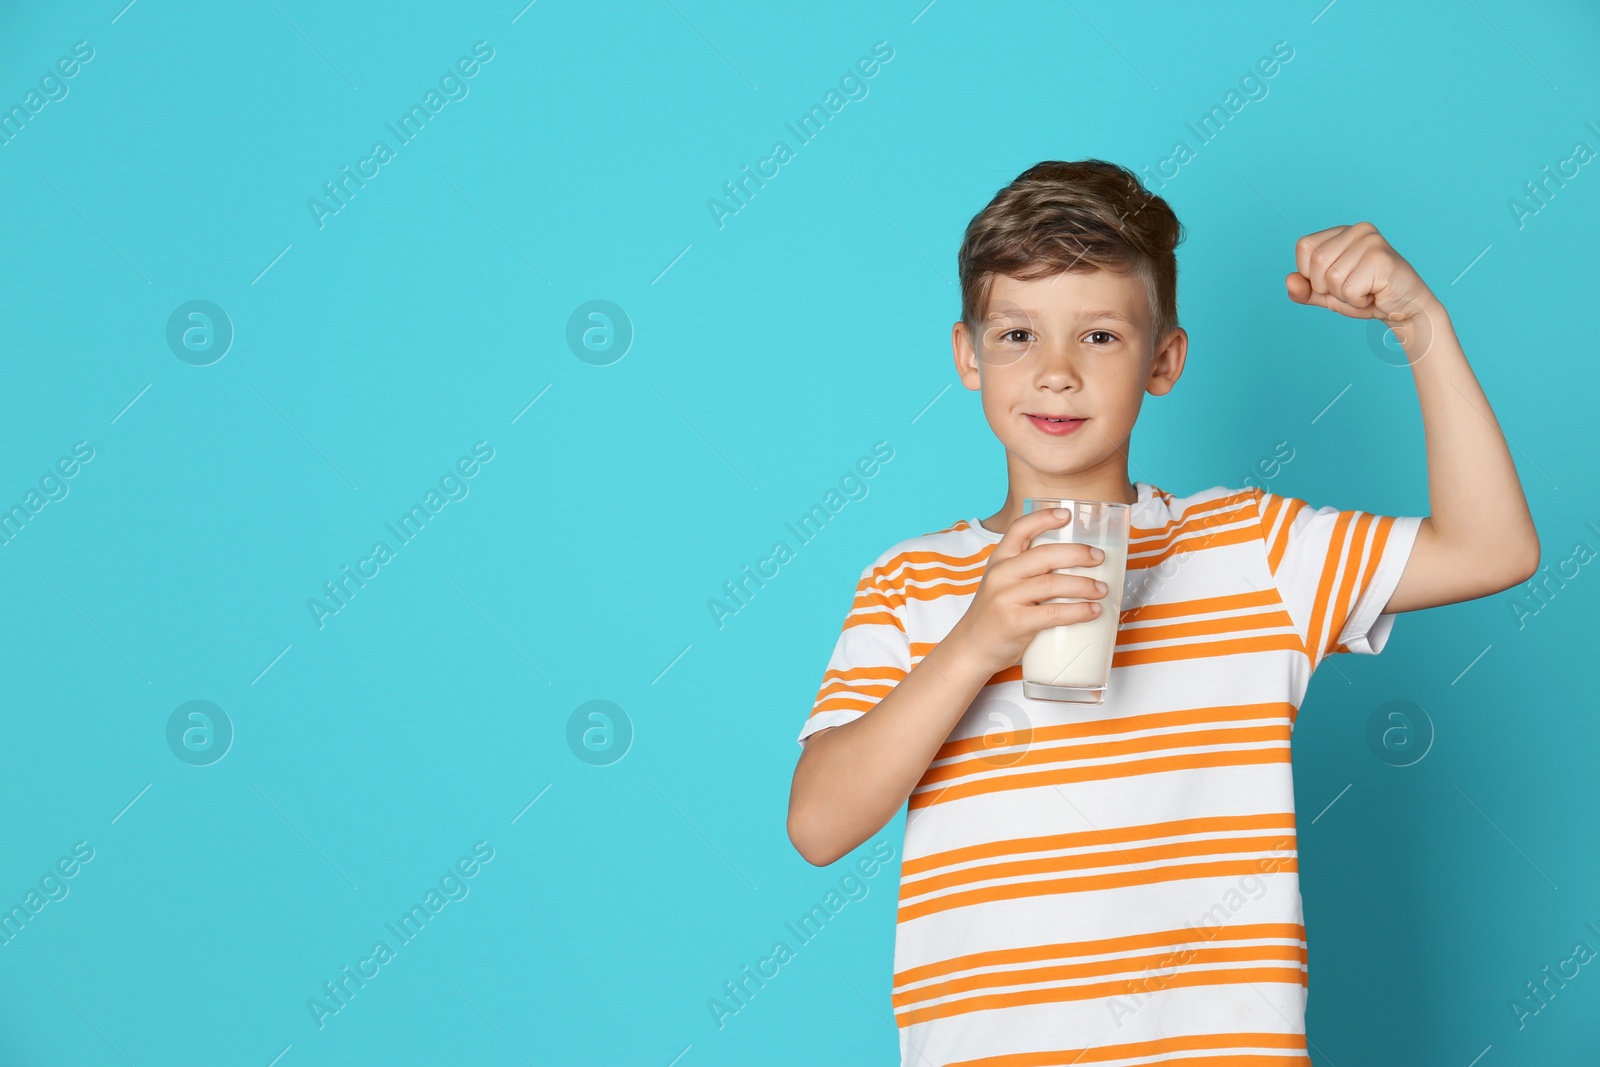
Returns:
(966,358)
(1166,366)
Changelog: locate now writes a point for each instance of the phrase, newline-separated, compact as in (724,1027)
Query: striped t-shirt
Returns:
(1117,884)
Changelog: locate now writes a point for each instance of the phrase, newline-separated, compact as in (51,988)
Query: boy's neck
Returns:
(1110,485)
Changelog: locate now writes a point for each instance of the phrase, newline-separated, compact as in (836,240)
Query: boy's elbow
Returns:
(805,842)
(811,856)
(1500,569)
(809,823)
(1525,570)
(1531,567)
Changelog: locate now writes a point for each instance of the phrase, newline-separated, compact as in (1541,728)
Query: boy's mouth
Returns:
(1056,425)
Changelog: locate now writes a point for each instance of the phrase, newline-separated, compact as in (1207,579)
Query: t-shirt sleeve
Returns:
(871,656)
(1335,570)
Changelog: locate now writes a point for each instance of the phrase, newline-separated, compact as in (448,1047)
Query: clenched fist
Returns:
(1354,271)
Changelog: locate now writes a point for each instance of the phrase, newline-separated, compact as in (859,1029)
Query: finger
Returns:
(1076,586)
(1333,303)
(1299,287)
(1352,277)
(1313,257)
(1308,244)
(1044,616)
(1363,311)
(1354,245)
(1046,558)
(1318,236)
(1356,277)
(1041,589)
(1023,529)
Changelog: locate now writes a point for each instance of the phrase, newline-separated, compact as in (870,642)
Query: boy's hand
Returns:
(1354,271)
(1006,611)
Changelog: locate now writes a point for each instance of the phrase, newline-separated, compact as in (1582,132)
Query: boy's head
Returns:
(1069,310)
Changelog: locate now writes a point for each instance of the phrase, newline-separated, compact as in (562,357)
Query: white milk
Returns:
(1079,653)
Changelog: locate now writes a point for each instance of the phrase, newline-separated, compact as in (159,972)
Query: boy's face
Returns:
(1068,346)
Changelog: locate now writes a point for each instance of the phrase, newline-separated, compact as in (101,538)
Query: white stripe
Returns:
(1291,968)
(909,898)
(911,988)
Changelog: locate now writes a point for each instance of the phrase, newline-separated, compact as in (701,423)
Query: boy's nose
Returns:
(1056,359)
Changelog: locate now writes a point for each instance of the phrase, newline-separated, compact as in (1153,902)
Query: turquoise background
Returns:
(767,356)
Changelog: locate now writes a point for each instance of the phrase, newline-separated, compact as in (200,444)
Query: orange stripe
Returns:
(1142,540)
(1112,835)
(1278,513)
(1088,883)
(862,673)
(947,585)
(1238,646)
(855,688)
(874,692)
(1351,590)
(905,561)
(1182,1043)
(1132,657)
(1098,772)
(937,592)
(1380,540)
(958,568)
(1230,624)
(1183,539)
(873,589)
(1158,961)
(1118,987)
(1100,946)
(1147,547)
(1191,536)
(901,559)
(1199,516)
(1037,754)
(1345,599)
(1263,598)
(1139,635)
(1155,720)
(1247,1059)
(876,618)
(845,703)
(892,590)
(1320,607)
(1219,539)
(872,598)
(862,679)
(1213,846)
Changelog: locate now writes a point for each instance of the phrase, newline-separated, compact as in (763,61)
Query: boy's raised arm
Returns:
(1479,537)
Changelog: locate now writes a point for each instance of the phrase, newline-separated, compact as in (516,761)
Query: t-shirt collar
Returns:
(1147,494)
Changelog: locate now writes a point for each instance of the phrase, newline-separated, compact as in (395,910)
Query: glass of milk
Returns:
(1073,662)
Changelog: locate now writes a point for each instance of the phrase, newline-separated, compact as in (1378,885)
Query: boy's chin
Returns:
(1054,463)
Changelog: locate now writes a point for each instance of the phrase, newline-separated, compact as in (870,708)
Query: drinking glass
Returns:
(1073,662)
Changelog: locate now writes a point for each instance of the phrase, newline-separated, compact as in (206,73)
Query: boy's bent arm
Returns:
(852,779)
(1479,537)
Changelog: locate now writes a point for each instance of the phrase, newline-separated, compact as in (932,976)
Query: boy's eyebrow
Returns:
(1108,313)
(1029,313)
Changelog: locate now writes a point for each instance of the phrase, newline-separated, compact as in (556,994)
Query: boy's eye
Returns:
(1016,334)
(1109,337)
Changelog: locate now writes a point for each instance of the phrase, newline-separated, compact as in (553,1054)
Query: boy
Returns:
(1117,883)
